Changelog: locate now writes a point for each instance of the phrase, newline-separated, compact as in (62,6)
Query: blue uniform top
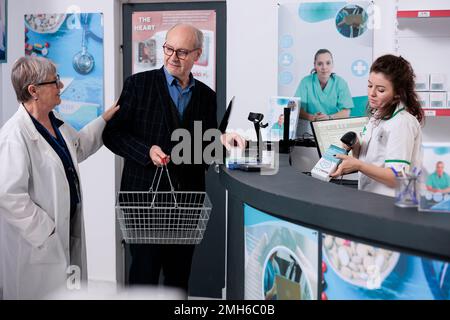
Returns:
(437,182)
(333,98)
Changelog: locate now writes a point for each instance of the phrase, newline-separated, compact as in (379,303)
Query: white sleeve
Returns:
(16,206)
(400,146)
(89,139)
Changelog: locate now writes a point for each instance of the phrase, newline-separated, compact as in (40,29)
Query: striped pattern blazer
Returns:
(147,117)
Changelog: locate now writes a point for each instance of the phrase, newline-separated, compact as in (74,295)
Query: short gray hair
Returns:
(197,33)
(30,70)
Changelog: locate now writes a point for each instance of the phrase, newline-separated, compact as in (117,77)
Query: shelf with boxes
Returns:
(432,92)
(423,38)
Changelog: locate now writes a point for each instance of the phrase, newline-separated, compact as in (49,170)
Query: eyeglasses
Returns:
(57,81)
(181,53)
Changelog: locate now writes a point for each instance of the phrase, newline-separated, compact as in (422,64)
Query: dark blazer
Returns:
(147,117)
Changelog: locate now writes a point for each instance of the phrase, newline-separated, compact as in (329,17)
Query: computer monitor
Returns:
(329,132)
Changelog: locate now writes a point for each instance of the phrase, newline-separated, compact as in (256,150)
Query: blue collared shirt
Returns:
(180,96)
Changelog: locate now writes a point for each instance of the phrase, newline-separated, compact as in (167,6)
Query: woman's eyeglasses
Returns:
(57,81)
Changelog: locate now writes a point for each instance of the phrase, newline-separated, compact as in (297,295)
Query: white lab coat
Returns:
(393,143)
(34,200)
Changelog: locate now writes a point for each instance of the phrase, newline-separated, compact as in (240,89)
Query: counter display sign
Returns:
(357,271)
(435,178)
(281,258)
(275,117)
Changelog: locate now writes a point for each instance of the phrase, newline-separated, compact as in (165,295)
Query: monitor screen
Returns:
(330,131)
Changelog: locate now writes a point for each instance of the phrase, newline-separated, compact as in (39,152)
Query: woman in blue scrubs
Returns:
(324,95)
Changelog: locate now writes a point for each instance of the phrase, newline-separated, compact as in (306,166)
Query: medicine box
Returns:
(422,82)
(424,99)
(438,82)
(438,100)
(328,163)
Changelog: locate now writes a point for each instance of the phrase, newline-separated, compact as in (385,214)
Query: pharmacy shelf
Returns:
(437,112)
(425,43)
(423,14)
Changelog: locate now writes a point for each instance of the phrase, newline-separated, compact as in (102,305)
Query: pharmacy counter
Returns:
(328,208)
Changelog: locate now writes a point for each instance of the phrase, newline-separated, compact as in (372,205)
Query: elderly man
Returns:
(438,181)
(153,105)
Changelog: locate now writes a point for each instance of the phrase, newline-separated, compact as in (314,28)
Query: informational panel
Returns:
(343,28)
(434,186)
(149,30)
(275,118)
(281,258)
(3,25)
(74,42)
(356,271)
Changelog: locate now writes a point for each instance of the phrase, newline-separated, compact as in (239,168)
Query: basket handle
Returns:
(159,172)
(164,163)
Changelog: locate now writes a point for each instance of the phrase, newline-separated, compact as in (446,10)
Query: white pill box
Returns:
(438,100)
(422,82)
(327,164)
(438,82)
(424,99)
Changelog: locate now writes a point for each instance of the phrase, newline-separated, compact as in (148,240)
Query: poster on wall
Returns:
(357,271)
(149,30)
(275,118)
(74,42)
(324,56)
(281,258)
(434,183)
(3,33)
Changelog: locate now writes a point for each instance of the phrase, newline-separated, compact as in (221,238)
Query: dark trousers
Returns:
(148,260)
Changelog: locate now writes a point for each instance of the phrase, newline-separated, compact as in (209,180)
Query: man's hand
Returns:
(108,114)
(158,157)
(229,139)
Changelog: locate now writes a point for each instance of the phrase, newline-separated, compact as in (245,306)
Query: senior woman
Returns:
(41,219)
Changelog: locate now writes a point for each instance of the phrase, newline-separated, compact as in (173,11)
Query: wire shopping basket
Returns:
(163,217)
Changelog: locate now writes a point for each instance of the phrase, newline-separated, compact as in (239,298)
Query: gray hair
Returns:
(27,71)
(198,34)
